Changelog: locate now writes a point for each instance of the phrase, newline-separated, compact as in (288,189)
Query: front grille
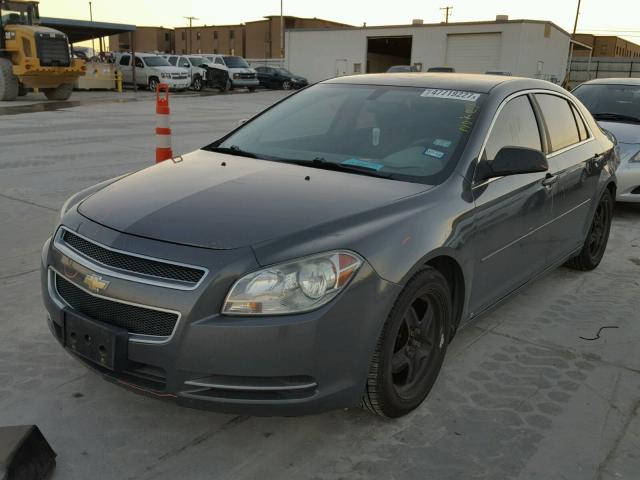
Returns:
(53,50)
(179,76)
(247,75)
(137,320)
(131,263)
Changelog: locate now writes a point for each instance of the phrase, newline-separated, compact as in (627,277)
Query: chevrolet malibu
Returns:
(323,254)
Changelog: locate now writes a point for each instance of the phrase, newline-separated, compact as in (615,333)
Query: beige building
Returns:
(257,39)
(146,39)
(606,46)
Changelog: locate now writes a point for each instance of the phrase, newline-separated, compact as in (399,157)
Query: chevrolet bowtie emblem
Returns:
(95,283)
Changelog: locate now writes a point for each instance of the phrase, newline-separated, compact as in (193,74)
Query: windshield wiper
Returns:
(323,164)
(616,116)
(232,150)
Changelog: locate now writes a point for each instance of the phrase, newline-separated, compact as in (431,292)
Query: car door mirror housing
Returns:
(514,161)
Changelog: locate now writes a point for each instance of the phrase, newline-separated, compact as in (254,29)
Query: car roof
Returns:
(613,81)
(480,83)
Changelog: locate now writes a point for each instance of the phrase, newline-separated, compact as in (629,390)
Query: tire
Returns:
(287,85)
(153,84)
(411,347)
(227,86)
(596,242)
(251,89)
(8,82)
(197,84)
(61,92)
(22,90)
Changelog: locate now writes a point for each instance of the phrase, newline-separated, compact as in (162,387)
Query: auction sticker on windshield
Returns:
(452,94)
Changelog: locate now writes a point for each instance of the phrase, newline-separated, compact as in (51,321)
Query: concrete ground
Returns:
(521,395)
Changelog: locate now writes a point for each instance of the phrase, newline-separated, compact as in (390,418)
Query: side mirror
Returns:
(515,161)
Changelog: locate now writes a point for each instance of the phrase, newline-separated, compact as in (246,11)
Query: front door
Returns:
(512,212)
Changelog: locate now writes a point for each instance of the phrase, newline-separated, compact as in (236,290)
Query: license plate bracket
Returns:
(100,343)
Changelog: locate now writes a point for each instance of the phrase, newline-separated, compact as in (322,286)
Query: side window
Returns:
(582,129)
(515,126)
(173,60)
(562,127)
(125,60)
(139,63)
(219,61)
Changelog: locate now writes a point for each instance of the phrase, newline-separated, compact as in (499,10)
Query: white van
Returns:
(151,70)
(240,73)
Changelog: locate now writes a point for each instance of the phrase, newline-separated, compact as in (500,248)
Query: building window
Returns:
(215,51)
(166,37)
(547,30)
(357,68)
(215,34)
(198,36)
(182,36)
(232,34)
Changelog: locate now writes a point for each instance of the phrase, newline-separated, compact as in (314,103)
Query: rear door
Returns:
(125,67)
(512,212)
(574,163)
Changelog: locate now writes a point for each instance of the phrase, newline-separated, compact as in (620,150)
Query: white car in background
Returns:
(192,63)
(240,73)
(152,70)
(615,104)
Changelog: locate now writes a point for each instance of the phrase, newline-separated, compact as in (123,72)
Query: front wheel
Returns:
(197,84)
(251,89)
(9,85)
(596,243)
(153,84)
(61,92)
(411,347)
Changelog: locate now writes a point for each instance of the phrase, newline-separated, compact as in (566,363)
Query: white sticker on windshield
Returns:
(452,94)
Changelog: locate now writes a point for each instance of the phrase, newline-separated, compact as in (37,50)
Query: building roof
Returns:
(441,24)
(449,81)
(81,30)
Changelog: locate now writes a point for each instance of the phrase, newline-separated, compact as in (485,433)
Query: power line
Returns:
(190,40)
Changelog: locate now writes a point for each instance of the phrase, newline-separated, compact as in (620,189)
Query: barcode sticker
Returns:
(452,94)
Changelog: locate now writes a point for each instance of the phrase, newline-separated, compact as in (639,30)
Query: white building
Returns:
(528,48)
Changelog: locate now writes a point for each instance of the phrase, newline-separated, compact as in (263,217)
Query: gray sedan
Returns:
(615,104)
(324,254)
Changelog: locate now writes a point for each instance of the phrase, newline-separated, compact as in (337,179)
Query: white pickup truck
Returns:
(151,70)
(192,63)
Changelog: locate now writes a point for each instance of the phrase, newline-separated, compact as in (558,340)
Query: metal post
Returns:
(281,30)
(93,45)
(132,42)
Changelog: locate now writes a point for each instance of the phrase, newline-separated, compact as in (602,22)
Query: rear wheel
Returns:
(8,82)
(286,85)
(598,237)
(61,92)
(411,347)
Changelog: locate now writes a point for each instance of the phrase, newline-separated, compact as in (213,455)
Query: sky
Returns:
(616,17)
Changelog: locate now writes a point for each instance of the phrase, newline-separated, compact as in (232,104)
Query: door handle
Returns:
(549,180)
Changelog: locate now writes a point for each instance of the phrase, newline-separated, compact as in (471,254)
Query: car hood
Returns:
(220,201)
(170,69)
(241,70)
(624,132)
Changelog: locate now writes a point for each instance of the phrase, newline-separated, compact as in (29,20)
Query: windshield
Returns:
(284,71)
(610,99)
(156,62)
(16,14)
(196,61)
(235,62)
(403,133)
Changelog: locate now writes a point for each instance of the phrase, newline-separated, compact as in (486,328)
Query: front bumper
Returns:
(177,84)
(281,365)
(245,82)
(628,175)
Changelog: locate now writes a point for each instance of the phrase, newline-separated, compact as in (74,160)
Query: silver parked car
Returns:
(615,104)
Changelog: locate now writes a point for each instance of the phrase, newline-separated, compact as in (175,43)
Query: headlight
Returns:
(9,35)
(635,158)
(298,286)
(236,75)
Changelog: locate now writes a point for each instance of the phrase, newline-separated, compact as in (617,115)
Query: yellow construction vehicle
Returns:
(32,56)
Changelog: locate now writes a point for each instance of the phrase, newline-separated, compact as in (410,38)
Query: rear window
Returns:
(610,99)
(560,121)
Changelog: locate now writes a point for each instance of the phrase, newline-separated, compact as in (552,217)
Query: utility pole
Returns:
(446,13)
(190,40)
(93,46)
(567,78)
(281,30)
(575,24)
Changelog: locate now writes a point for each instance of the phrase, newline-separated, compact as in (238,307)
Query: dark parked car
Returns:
(615,104)
(324,253)
(441,70)
(272,77)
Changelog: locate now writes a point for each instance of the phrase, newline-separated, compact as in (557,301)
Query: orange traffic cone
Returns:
(163,131)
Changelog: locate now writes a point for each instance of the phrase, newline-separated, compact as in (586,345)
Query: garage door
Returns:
(474,53)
